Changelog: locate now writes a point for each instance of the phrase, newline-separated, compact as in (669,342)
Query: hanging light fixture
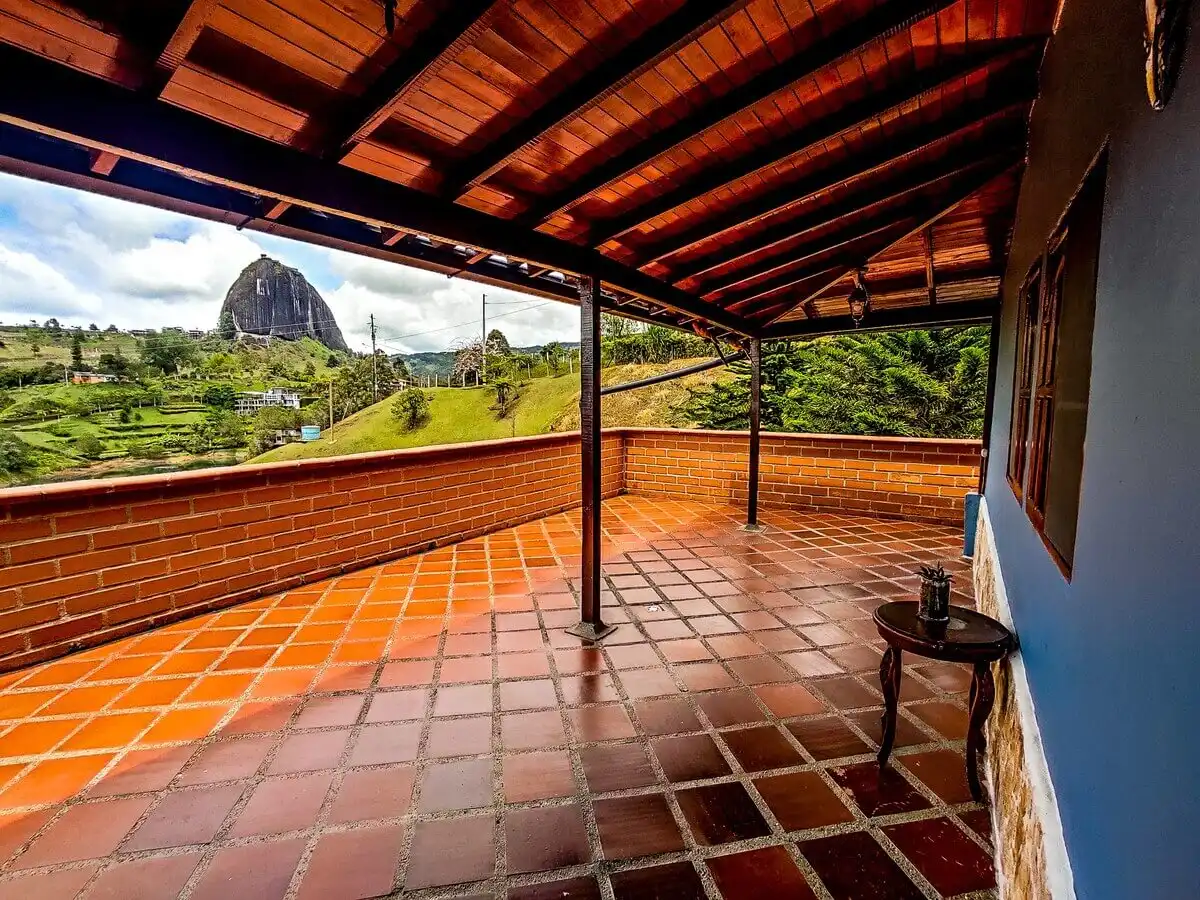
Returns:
(860,298)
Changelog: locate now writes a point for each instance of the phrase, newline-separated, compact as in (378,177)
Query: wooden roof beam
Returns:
(68,104)
(886,155)
(918,178)
(986,177)
(966,312)
(431,51)
(180,43)
(931,286)
(677,30)
(849,119)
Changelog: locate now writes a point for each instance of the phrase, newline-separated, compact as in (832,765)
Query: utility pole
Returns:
(374,363)
(331,438)
(483,364)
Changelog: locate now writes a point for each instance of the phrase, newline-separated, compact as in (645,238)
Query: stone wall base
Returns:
(1031,859)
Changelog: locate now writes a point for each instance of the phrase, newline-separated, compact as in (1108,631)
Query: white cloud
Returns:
(82,257)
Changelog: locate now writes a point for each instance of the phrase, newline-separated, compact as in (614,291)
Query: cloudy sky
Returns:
(84,258)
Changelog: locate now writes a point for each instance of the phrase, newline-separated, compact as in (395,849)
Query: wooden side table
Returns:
(968,637)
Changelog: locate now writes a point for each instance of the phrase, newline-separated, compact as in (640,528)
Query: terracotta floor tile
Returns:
(854,867)
(979,821)
(63,885)
(827,737)
(943,771)
(406,674)
(585,888)
(156,878)
(703,676)
(85,831)
(17,828)
(262,871)
(463,700)
(636,826)
(947,719)
(35,738)
(690,757)
(260,717)
(185,817)
(395,706)
(463,669)
(451,851)
(757,874)
(641,683)
(310,751)
(53,780)
(538,776)
(847,693)
(802,800)
(724,708)
(763,748)
(616,767)
(527,731)
(457,785)
(546,838)
(721,813)
(386,744)
(878,792)
(684,651)
(593,687)
(786,700)
(354,865)
(855,658)
(460,737)
(83,700)
(373,794)
(222,687)
(759,670)
(522,665)
(954,679)
(187,724)
(907,734)
(520,695)
(666,716)
(324,712)
(228,760)
(283,804)
(674,881)
(949,860)
(601,723)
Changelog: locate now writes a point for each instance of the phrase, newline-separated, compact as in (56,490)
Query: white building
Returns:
(249,402)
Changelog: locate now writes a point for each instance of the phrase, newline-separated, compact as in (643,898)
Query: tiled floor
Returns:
(426,728)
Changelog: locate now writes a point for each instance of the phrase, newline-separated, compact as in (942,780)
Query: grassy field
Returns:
(18,350)
(547,404)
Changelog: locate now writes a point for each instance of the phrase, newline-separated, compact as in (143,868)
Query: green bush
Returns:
(89,446)
(15,455)
(411,408)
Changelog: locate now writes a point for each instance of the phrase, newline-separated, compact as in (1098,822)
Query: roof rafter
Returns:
(432,50)
(71,105)
(989,174)
(172,54)
(908,181)
(966,311)
(677,30)
(851,118)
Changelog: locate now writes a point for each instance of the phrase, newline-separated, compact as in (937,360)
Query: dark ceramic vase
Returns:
(935,600)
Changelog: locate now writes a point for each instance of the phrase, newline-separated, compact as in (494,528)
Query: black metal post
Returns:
(755,420)
(989,406)
(591,626)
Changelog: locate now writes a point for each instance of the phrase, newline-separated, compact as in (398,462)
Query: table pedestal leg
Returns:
(889,681)
(983,692)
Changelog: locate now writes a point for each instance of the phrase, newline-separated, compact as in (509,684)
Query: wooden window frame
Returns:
(1018,440)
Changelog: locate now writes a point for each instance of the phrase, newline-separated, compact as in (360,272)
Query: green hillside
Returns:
(546,405)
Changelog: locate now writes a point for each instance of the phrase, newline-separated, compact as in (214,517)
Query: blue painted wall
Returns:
(1113,656)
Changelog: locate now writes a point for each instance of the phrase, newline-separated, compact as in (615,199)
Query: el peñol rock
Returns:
(270,299)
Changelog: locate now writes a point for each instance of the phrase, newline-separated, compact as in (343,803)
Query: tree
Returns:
(89,446)
(219,430)
(354,384)
(15,454)
(168,352)
(220,396)
(310,371)
(616,326)
(498,343)
(52,325)
(269,421)
(552,353)
(911,384)
(226,329)
(77,350)
(468,363)
(111,329)
(92,326)
(333,361)
(411,408)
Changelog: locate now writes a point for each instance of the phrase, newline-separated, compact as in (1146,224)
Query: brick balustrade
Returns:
(85,562)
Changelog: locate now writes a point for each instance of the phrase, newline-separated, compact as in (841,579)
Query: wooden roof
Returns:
(723,162)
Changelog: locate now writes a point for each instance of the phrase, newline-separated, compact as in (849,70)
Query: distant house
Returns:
(197,334)
(139,332)
(249,402)
(93,378)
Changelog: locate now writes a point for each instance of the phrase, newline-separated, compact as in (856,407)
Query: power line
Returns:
(513,312)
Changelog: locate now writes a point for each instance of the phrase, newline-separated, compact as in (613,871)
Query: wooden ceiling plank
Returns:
(987,177)
(688,22)
(931,286)
(432,50)
(884,19)
(103,162)
(851,118)
(962,313)
(907,180)
(182,39)
(61,102)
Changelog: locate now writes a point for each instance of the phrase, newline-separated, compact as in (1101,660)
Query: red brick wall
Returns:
(86,562)
(910,478)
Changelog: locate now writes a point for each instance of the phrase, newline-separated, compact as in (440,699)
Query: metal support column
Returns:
(591,627)
(755,421)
